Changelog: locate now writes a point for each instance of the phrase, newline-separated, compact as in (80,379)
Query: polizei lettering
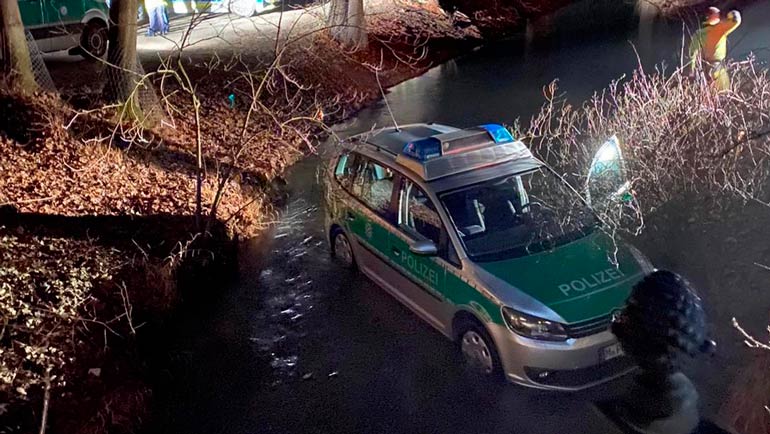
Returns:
(419,269)
(595,280)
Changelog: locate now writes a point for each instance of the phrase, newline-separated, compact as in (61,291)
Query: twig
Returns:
(19,202)
(46,400)
(750,341)
(127,307)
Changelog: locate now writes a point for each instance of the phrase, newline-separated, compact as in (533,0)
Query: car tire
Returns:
(478,350)
(342,250)
(243,8)
(94,40)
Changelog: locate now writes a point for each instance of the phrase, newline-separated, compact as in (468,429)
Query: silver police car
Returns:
(488,245)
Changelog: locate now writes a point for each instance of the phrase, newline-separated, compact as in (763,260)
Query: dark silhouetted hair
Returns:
(662,320)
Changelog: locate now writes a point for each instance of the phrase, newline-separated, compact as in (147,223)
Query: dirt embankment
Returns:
(99,241)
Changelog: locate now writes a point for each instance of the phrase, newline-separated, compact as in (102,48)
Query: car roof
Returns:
(394,139)
(452,150)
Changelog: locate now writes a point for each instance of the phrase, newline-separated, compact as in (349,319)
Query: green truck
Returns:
(77,25)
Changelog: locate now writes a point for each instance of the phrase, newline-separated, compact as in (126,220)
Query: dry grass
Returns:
(72,168)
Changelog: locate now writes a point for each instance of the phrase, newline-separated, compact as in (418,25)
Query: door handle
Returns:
(396,252)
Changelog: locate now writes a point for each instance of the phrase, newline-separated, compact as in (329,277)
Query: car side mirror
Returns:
(423,248)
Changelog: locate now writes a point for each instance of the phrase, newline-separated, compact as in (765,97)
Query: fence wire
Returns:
(42,76)
(140,89)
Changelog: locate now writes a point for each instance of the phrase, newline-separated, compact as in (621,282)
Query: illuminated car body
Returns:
(458,225)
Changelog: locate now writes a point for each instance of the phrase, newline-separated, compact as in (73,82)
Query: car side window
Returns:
(373,185)
(346,169)
(418,216)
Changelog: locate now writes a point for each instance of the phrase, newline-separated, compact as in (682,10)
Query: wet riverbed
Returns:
(302,346)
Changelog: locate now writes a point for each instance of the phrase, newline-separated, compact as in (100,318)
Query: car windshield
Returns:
(517,215)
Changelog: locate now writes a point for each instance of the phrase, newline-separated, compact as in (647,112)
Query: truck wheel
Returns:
(478,350)
(94,39)
(243,8)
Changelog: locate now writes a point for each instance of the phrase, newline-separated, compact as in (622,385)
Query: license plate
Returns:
(611,352)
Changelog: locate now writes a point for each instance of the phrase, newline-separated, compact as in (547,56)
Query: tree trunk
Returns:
(347,23)
(121,76)
(16,65)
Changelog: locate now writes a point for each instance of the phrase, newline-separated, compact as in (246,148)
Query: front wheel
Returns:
(478,350)
(94,39)
(243,8)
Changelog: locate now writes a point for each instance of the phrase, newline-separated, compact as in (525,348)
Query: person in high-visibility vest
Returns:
(709,45)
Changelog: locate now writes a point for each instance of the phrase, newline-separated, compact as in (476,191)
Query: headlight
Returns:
(533,327)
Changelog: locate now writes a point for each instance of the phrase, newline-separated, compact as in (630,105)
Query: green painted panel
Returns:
(31,12)
(37,13)
(424,269)
(63,11)
(578,280)
(96,4)
(460,293)
(443,281)
(370,232)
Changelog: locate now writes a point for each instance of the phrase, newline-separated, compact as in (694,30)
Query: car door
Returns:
(34,20)
(64,19)
(607,182)
(365,210)
(423,272)
(62,12)
(31,13)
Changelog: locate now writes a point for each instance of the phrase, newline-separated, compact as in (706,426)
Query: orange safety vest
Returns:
(710,42)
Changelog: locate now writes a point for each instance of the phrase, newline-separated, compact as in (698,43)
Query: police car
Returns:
(64,24)
(488,245)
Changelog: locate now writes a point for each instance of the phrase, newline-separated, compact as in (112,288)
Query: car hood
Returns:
(578,281)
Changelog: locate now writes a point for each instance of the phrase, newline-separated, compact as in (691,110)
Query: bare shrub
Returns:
(679,136)
(43,294)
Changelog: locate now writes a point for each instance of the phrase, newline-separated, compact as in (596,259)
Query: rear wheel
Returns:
(479,351)
(244,8)
(94,39)
(342,251)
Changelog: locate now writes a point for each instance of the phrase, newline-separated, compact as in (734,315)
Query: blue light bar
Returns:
(498,133)
(423,149)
